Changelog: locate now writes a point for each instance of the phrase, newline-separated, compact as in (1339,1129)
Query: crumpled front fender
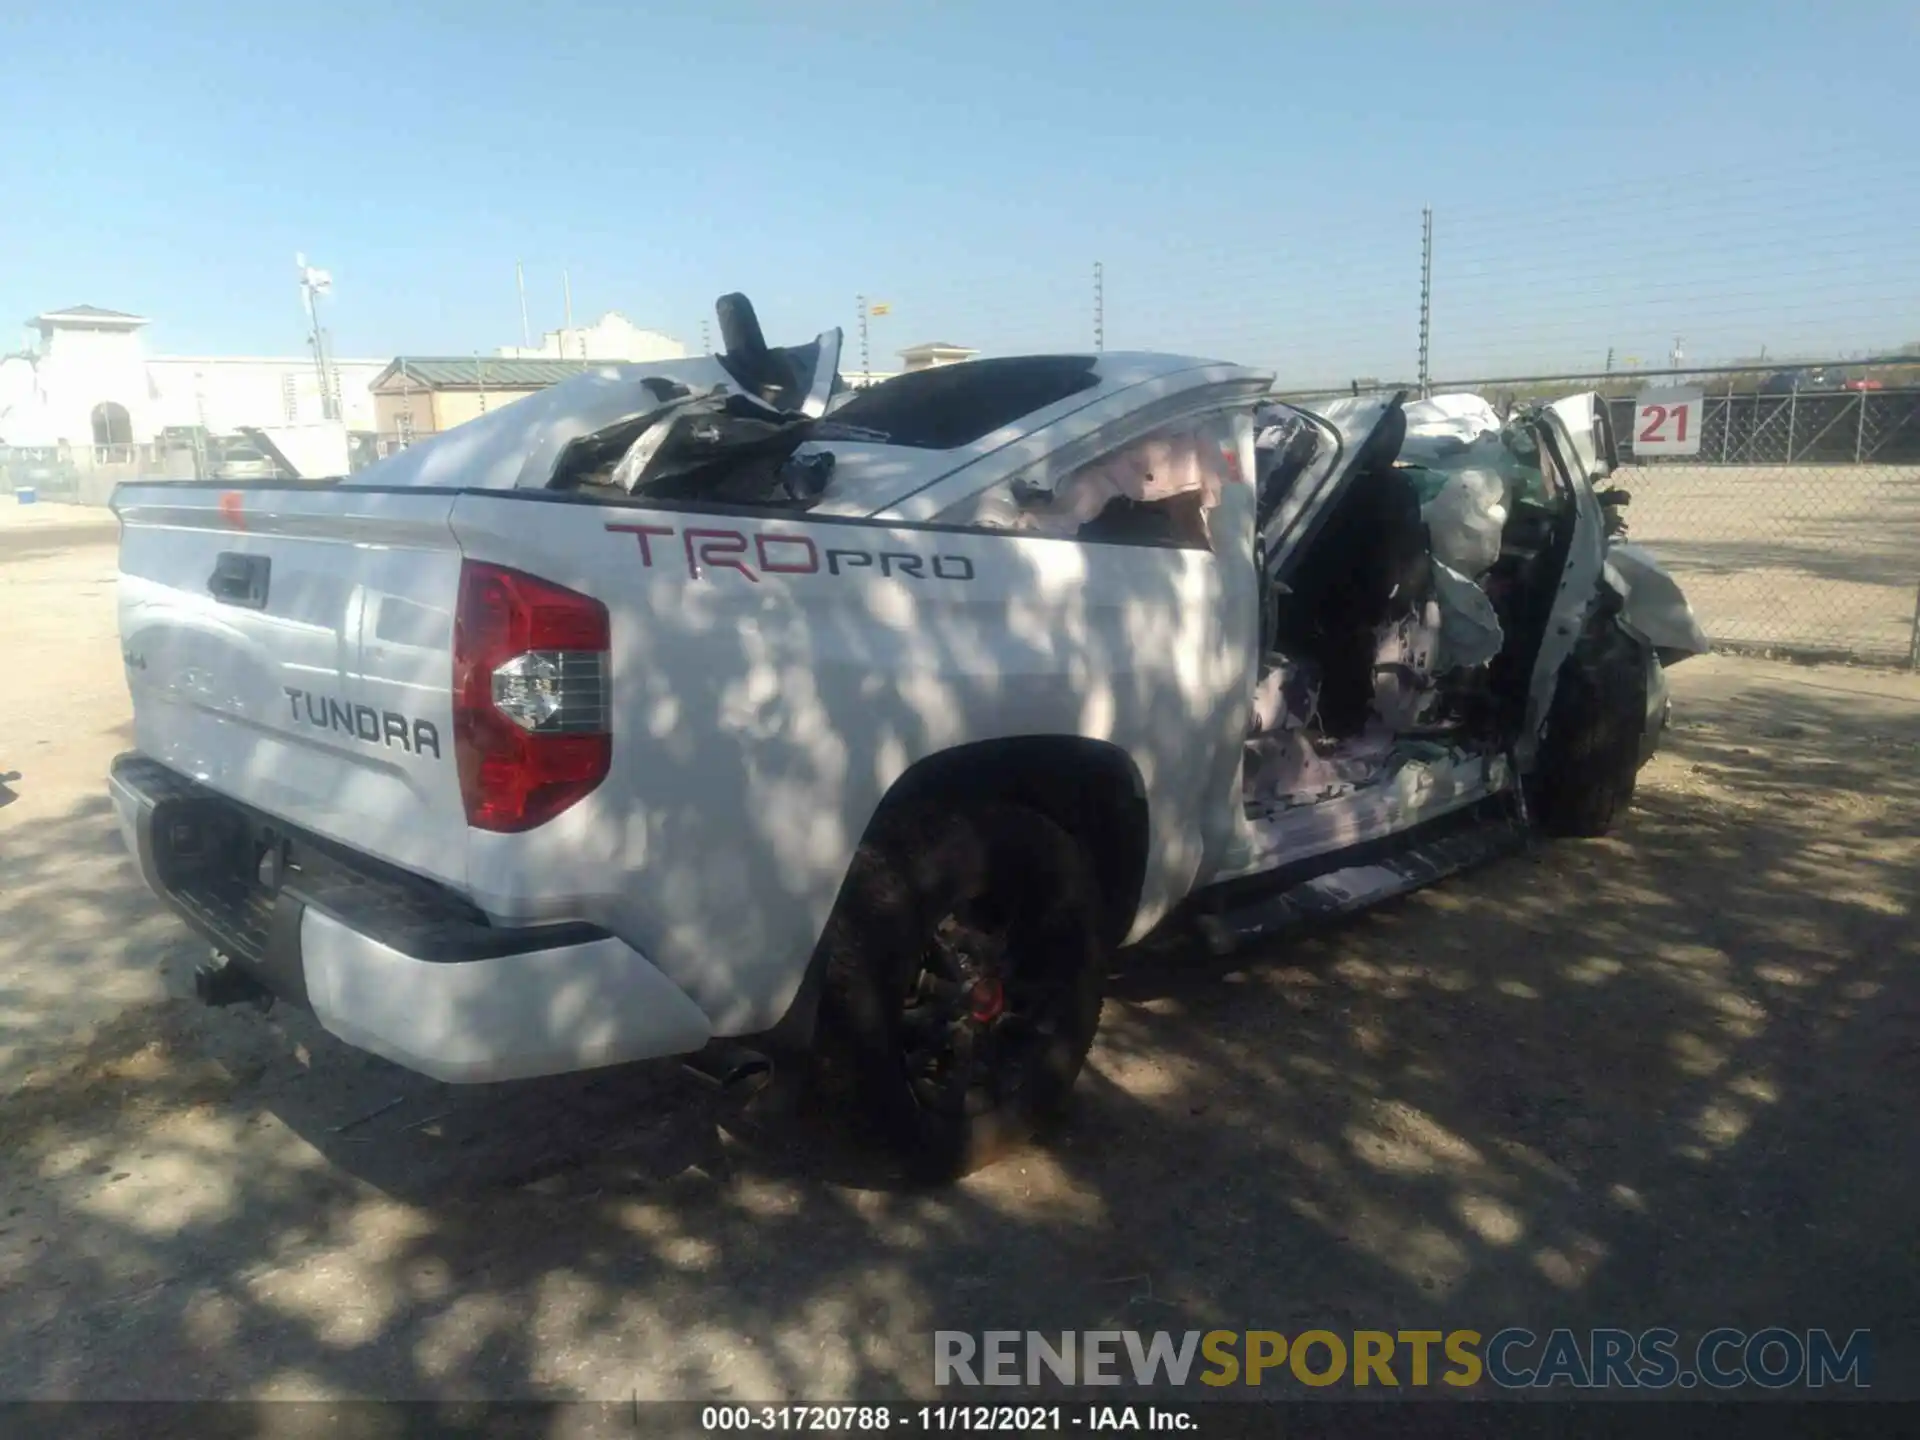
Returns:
(1653,608)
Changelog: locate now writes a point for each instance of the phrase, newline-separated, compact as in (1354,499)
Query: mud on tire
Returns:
(1589,757)
(964,976)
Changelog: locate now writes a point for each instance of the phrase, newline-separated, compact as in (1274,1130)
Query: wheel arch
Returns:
(1092,789)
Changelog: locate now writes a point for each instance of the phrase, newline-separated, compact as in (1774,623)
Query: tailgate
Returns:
(292,649)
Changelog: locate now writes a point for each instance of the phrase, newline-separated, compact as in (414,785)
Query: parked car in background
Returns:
(1788,382)
(241,460)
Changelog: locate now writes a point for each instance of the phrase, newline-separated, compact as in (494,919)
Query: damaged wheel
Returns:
(964,977)
(1590,755)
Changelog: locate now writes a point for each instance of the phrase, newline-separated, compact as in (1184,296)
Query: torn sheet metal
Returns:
(1594,452)
(1289,450)
(1441,423)
(1653,608)
(721,446)
(523,444)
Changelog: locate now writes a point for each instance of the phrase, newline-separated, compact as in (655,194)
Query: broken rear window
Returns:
(954,405)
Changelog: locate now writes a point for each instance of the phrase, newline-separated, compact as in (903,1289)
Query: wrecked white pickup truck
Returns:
(704,702)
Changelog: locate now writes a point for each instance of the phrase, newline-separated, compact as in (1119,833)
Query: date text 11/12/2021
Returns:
(938,1419)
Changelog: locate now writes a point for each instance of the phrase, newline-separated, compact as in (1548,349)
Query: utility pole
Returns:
(405,432)
(706,339)
(866,370)
(313,284)
(1099,307)
(200,431)
(1609,359)
(1426,294)
(520,279)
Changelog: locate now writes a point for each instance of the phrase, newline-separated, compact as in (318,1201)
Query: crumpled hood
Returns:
(1441,422)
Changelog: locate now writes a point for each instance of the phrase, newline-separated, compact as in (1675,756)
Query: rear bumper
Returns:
(386,961)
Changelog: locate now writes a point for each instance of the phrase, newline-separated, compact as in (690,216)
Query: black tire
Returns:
(1589,757)
(965,972)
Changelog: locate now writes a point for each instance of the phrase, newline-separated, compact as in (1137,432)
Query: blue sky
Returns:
(1251,177)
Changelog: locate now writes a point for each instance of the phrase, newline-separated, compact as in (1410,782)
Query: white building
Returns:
(89,386)
(914,357)
(611,337)
(88,399)
(224,392)
(934,353)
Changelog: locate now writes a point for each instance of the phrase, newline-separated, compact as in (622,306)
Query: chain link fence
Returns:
(86,474)
(1794,527)
(1780,550)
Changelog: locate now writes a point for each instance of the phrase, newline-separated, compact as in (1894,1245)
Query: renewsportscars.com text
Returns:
(1512,1358)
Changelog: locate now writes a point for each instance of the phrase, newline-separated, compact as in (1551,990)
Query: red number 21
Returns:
(1656,417)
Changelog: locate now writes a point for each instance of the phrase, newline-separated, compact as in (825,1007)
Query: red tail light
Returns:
(530,705)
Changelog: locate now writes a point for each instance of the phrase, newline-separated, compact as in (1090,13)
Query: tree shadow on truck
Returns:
(1564,1089)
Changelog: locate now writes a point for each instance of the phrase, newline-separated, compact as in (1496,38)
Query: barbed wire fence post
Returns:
(1099,307)
(1913,640)
(1426,295)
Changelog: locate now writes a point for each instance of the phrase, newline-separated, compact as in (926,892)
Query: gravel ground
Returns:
(1818,557)
(1662,1078)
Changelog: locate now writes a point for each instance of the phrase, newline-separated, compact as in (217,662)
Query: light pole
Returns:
(866,371)
(868,310)
(313,284)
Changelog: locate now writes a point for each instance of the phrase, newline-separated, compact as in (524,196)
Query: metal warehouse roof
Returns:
(469,372)
(90,312)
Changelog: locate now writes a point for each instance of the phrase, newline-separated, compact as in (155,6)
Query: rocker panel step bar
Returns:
(1364,880)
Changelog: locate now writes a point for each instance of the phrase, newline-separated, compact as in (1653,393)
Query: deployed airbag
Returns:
(1465,520)
(1470,631)
(1157,468)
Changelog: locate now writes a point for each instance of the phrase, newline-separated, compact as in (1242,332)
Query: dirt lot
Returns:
(1665,1078)
(1820,557)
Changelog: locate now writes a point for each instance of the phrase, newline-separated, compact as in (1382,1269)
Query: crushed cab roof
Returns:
(948,418)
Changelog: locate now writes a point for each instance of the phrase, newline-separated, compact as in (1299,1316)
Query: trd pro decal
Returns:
(770,552)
